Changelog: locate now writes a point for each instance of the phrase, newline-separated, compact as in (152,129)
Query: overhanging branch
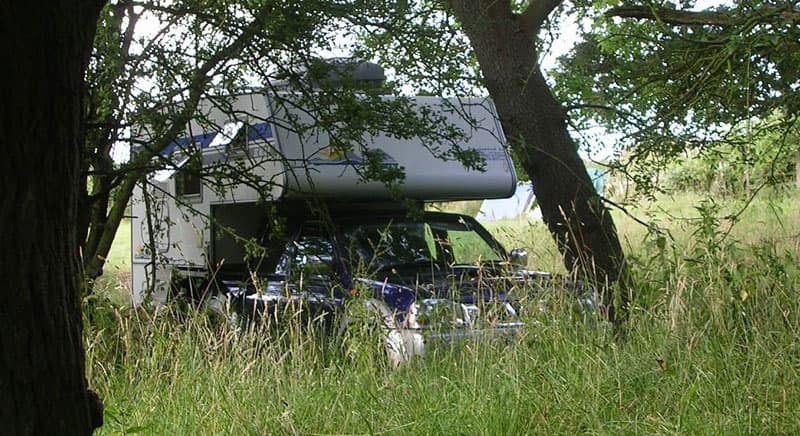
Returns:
(672,16)
(721,18)
(533,17)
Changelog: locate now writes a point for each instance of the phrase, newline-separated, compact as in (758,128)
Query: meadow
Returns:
(712,347)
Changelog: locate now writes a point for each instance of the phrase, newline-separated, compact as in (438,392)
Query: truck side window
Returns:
(308,257)
(469,248)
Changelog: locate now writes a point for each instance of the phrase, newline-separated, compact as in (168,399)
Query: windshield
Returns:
(436,243)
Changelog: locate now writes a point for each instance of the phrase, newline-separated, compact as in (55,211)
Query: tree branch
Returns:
(533,17)
(722,18)
(672,16)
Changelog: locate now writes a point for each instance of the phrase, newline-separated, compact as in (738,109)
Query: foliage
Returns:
(424,44)
(763,157)
(673,81)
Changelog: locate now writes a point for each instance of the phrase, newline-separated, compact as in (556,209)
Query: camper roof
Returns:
(310,165)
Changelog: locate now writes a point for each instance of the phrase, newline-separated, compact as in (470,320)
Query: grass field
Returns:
(713,347)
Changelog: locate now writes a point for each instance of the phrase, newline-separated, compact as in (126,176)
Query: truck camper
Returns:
(283,166)
(259,241)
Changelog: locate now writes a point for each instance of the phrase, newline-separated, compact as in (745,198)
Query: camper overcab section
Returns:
(177,224)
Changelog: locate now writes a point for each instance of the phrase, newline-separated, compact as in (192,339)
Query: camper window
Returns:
(233,136)
(239,141)
(187,181)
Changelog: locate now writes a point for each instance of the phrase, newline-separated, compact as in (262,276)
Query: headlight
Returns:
(440,314)
(443,314)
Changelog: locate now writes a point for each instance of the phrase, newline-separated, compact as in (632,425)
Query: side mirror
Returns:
(519,257)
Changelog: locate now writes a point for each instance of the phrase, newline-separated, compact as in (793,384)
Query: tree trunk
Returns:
(797,170)
(43,389)
(535,124)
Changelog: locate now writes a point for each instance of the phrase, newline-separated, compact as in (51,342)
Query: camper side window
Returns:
(239,141)
(232,136)
(187,181)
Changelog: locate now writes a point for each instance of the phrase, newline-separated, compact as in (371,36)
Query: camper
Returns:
(305,230)
(188,227)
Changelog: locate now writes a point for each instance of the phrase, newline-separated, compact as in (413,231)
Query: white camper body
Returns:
(253,134)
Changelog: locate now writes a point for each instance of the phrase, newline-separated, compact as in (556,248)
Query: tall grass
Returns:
(713,347)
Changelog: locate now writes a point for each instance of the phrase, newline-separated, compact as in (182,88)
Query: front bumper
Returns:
(405,344)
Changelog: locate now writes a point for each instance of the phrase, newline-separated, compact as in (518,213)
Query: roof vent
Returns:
(339,71)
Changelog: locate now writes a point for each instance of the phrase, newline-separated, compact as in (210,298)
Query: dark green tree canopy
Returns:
(670,78)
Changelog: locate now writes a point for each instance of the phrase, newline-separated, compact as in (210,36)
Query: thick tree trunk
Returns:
(43,389)
(535,124)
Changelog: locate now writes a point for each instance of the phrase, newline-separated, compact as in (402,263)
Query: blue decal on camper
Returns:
(259,131)
(255,132)
(332,156)
(201,141)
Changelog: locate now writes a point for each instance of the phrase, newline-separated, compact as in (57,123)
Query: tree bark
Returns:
(535,124)
(43,389)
